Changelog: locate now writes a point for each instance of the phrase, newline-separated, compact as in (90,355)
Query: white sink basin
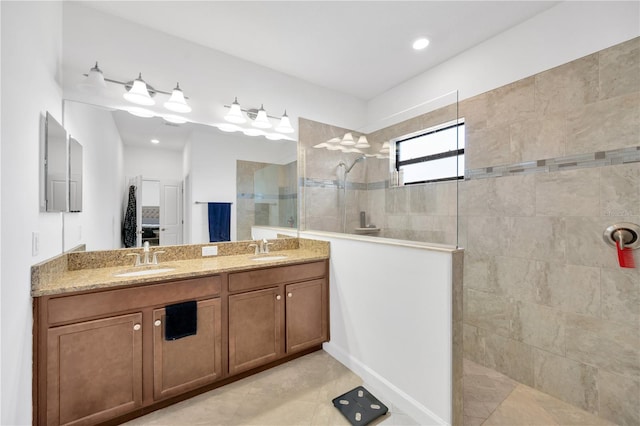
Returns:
(269,257)
(143,272)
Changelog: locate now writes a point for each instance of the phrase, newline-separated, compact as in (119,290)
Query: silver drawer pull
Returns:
(157,323)
(278,297)
(289,294)
(137,327)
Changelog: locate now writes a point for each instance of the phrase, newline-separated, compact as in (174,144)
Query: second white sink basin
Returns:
(143,272)
(269,257)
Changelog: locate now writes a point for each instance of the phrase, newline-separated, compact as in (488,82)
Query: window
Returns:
(432,155)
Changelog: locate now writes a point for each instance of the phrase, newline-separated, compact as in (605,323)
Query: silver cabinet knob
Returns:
(289,295)
(278,297)
(157,323)
(137,327)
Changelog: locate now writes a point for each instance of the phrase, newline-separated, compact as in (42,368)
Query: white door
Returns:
(170,213)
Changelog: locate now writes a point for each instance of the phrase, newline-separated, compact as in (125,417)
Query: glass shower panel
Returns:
(350,181)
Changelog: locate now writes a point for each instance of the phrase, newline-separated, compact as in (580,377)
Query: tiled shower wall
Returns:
(545,301)
(250,212)
(551,160)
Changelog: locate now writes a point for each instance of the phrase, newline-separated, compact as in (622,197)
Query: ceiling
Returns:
(361,48)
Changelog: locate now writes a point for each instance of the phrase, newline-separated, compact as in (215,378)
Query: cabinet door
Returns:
(94,370)
(255,329)
(306,314)
(190,362)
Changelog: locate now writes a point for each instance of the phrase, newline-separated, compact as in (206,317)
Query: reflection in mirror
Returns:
(56,188)
(267,196)
(204,163)
(75,176)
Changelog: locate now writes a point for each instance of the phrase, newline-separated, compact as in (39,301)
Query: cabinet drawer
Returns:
(68,309)
(242,281)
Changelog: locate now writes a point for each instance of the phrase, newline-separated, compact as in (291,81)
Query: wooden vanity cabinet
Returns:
(190,362)
(95,370)
(101,355)
(282,319)
(255,329)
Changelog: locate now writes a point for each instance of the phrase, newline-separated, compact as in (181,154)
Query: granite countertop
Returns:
(92,278)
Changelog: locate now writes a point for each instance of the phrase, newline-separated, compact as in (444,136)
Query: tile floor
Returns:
(300,393)
(296,393)
(492,399)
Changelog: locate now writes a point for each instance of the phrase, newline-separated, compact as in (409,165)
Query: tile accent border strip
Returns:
(572,162)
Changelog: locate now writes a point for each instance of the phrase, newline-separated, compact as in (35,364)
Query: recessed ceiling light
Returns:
(420,43)
(155,141)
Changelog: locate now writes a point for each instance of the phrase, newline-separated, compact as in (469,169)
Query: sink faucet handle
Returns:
(155,256)
(266,246)
(137,258)
(145,246)
(257,249)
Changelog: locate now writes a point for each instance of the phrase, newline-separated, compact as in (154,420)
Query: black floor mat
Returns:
(359,406)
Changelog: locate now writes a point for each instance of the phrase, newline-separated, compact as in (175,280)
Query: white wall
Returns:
(213,173)
(566,32)
(31,37)
(99,224)
(152,162)
(390,310)
(210,78)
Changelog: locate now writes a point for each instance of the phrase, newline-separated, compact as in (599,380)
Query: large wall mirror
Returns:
(173,180)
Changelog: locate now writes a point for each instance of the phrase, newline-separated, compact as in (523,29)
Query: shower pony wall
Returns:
(551,161)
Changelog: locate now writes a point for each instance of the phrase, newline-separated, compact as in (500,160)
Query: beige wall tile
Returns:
(569,288)
(479,270)
(487,147)
(566,379)
(510,357)
(620,190)
(620,69)
(513,196)
(473,342)
(488,234)
(621,295)
(488,311)
(397,200)
(474,197)
(607,345)
(610,124)
(541,238)
(568,86)
(511,103)
(538,138)
(619,398)
(474,112)
(585,245)
(568,193)
(539,326)
(515,277)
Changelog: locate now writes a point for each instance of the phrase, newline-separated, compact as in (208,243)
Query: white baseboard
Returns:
(385,390)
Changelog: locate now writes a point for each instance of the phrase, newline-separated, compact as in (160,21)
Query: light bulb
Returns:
(176,102)
(285,124)
(139,93)
(235,113)
(94,80)
(261,121)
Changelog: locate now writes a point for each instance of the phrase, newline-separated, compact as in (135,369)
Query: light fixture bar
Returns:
(253,111)
(127,85)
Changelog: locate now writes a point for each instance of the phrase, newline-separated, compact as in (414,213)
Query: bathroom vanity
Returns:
(100,352)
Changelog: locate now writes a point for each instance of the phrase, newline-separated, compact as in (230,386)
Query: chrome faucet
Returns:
(146,251)
(261,247)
